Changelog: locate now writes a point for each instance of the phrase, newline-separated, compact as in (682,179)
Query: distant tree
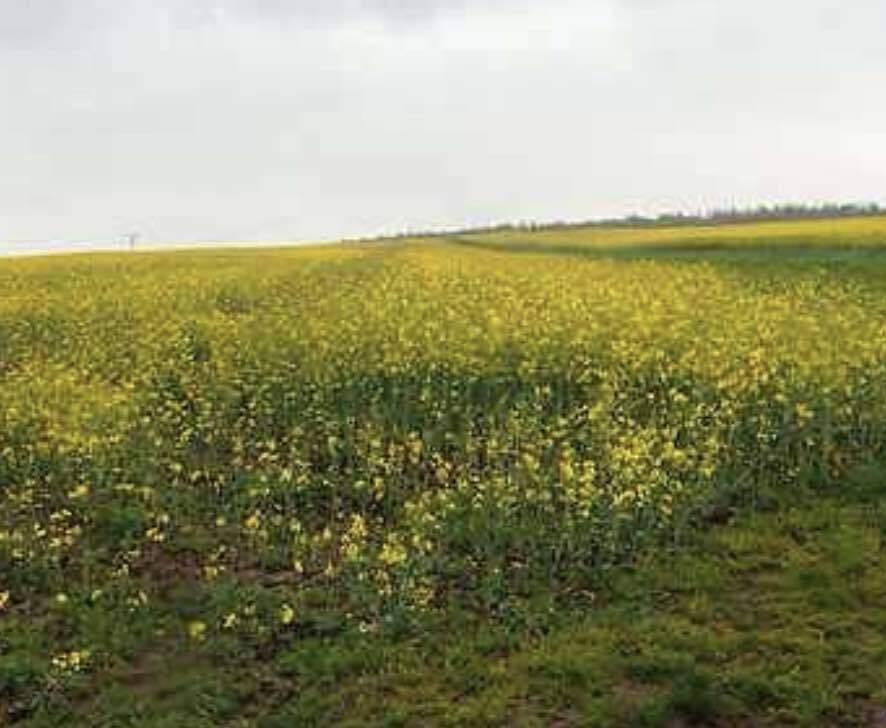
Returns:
(733,214)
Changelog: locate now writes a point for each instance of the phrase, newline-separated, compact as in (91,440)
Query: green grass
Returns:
(778,618)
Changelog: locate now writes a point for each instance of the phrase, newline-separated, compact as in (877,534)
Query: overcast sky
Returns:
(306,119)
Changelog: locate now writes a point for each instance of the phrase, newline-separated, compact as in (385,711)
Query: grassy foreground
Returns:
(545,479)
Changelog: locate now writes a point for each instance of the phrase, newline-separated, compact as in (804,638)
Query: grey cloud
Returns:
(238,119)
(392,10)
(29,22)
(24,22)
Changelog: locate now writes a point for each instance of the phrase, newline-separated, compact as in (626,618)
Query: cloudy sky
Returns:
(307,119)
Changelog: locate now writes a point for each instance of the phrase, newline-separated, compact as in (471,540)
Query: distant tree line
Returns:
(715,216)
(789,211)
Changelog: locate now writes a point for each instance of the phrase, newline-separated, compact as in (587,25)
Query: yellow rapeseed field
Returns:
(225,445)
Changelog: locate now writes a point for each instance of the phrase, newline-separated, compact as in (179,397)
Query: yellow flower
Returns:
(71,661)
(392,553)
(197,630)
(287,615)
(81,491)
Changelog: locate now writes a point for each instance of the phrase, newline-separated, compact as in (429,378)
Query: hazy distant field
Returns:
(243,484)
(849,233)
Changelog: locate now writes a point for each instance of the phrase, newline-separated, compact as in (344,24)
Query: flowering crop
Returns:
(245,443)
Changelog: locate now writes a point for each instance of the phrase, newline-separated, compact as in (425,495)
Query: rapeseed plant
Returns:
(228,442)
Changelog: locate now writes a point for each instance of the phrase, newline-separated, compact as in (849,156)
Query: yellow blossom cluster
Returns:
(397,424)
